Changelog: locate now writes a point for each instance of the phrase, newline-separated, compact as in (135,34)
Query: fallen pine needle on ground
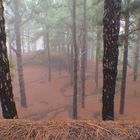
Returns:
(69,130)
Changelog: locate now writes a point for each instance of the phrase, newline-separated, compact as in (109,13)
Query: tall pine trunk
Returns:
(97,60)
(72,66)
(111,23)
(49,58)
(19,55)
(68,54)
(125,62)
(136,57)
(59,63)
(83,54)
(75,63)
(47,49)
(6,92)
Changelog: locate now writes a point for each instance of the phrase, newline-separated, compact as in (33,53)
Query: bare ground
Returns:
(53,100)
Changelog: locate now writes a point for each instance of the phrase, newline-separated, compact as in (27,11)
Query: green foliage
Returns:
(96,12)
(133,7)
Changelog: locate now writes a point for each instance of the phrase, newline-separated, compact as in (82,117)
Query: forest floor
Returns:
(53,100)
(69,130)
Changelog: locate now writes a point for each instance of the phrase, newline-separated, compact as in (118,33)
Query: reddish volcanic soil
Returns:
(53,100)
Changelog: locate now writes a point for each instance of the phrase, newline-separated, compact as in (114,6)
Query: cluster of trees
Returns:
(71,28)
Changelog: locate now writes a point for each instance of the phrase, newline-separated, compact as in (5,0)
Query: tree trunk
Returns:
(125,62)
(74,63)
(92,55)
(68,59)
(63,45)
(136,57)
(59,63)
(47,47)
(28,41)
(68,53)
(72,66)
(83,54)
(111,29)
(97,59)
(6,92)
(19,55)
(49,59)
(22,44)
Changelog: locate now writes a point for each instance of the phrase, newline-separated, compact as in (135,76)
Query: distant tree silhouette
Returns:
(97,59)
(6,94)
(19,55)
(47,48)
(84,53)
(75,62)
(136,57)
(111,23)
(125,59)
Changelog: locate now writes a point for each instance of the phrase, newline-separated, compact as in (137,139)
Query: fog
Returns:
(41,56)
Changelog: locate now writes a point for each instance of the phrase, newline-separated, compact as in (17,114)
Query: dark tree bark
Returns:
(75,62)
(111,22)
(83,54)
(6,93)
(19,55)
(125,61)
(136,57)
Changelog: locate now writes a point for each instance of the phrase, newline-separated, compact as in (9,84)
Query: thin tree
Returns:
(70,31)
(83,53)
(19,54)
(111,23)
(49,58)
(6,93)
(75,61)
(72,66)
(125,60)
(47,48)
(68,51)
(59,64)
(136,57)
(97,60)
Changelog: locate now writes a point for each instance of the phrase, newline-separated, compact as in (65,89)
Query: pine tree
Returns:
(111,23)
(136,57)
(97,59)
(6,94)
(47,48)
(75,62)
(125,60)
(19,55)
(84,53)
